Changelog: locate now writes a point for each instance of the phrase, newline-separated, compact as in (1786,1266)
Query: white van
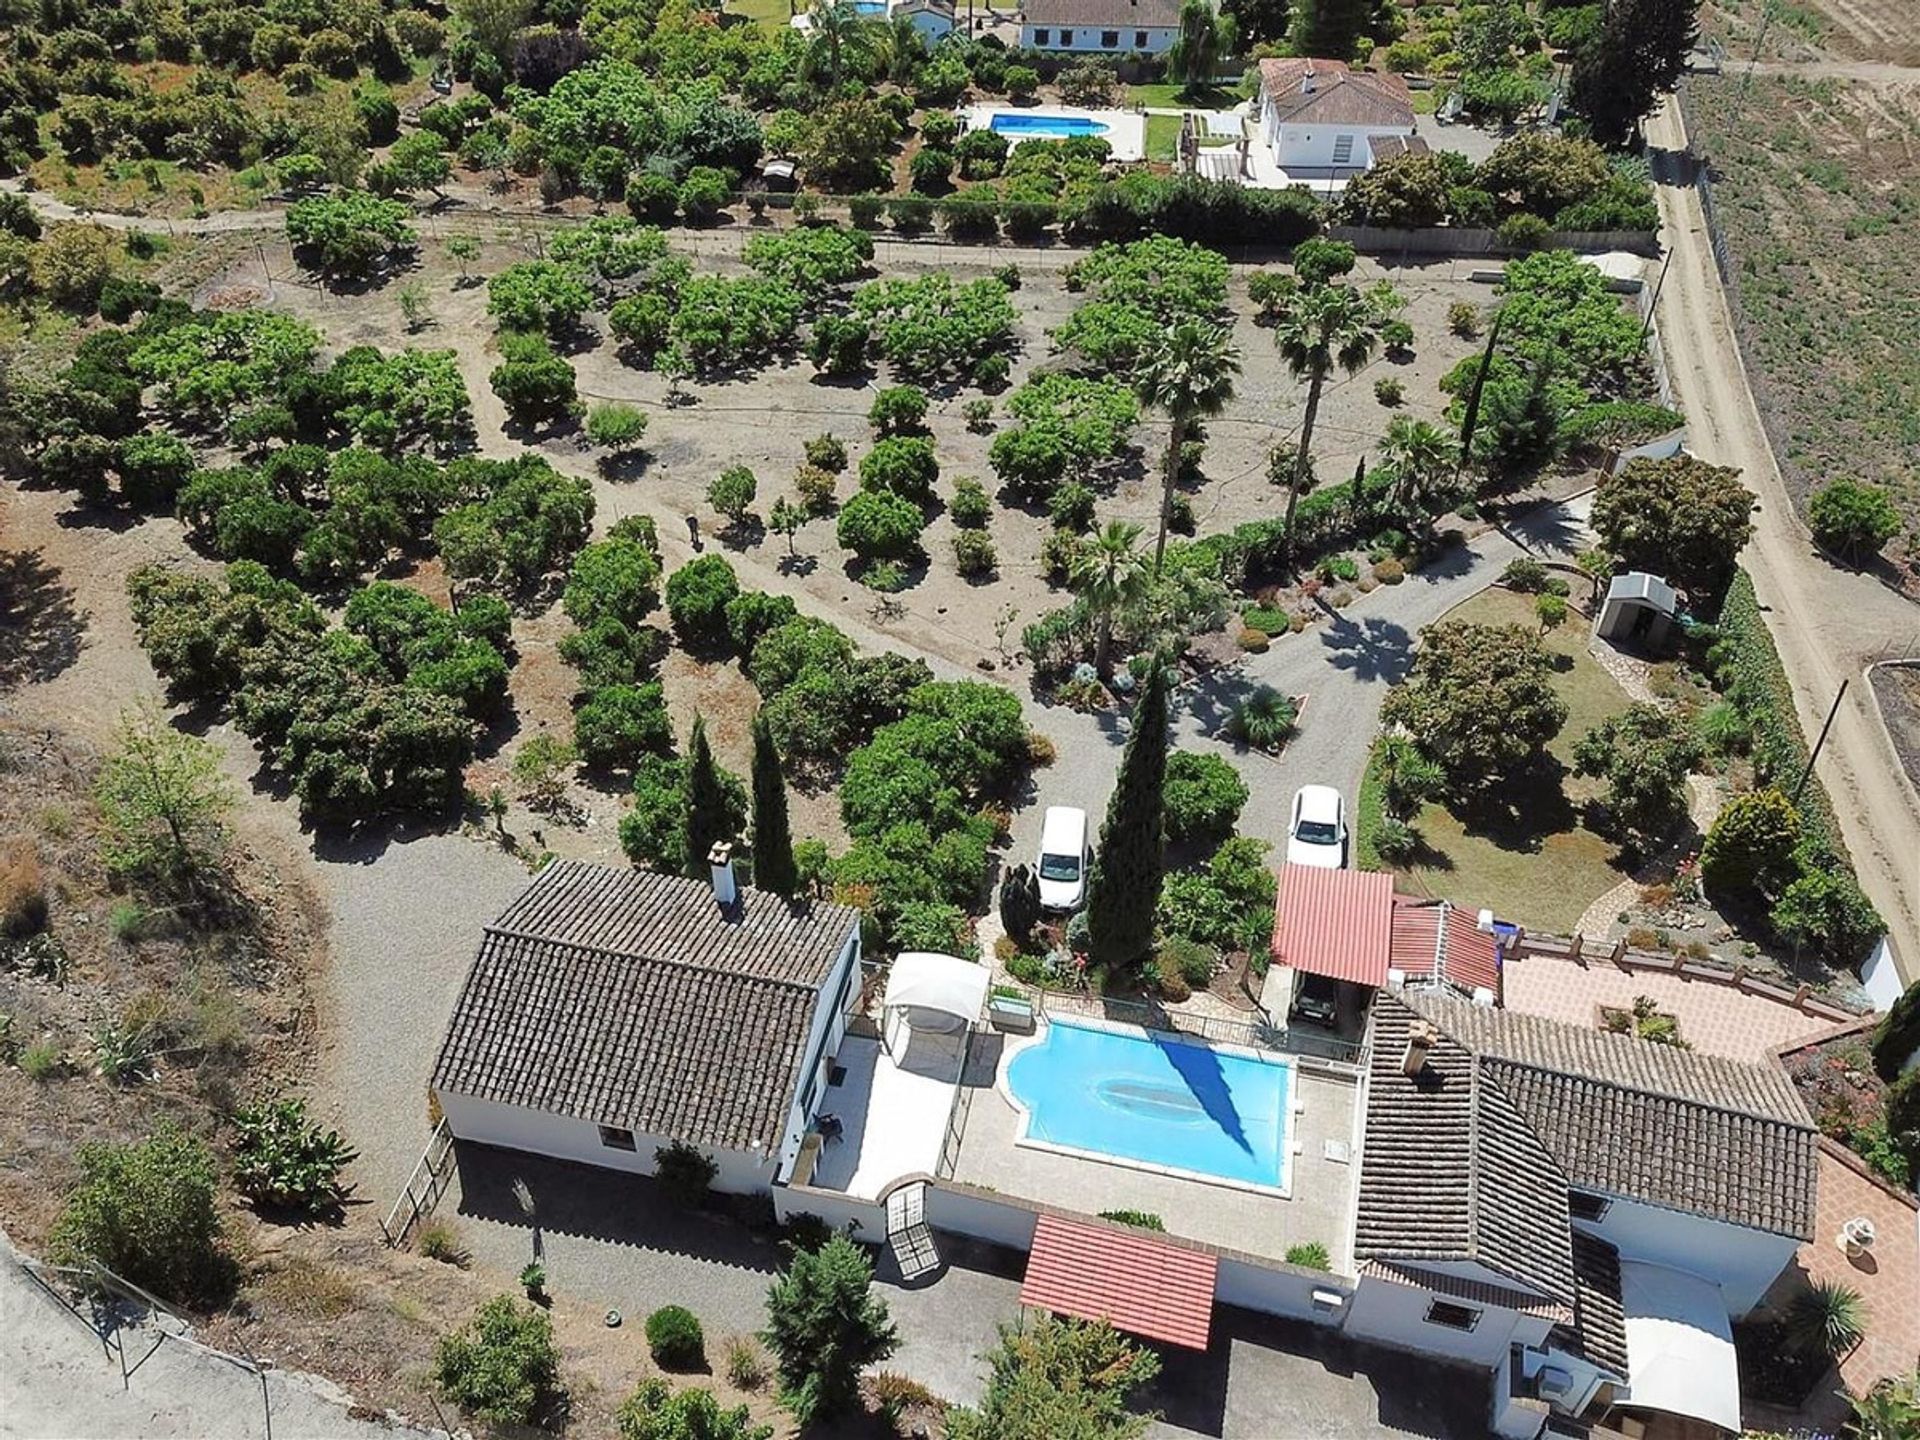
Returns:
(1065,858)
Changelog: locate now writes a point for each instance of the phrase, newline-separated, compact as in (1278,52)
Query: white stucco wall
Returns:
(1743,1262)
(933,28)
(1159,38)
(1395,1315)
(563,1138)
(1311,147)
(864,1219)
(830,1014)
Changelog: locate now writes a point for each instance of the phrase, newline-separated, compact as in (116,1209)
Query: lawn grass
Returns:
(1166,95)
(1163,137)
(773,14)
(1539,866)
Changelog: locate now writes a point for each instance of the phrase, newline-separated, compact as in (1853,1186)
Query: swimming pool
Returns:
(1054,126)
(1156,1101)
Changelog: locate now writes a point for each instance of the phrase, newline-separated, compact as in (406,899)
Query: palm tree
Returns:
(1187,372)
(1419,457)
(905,49)
(1317,328)
(1108,572)
(838,32)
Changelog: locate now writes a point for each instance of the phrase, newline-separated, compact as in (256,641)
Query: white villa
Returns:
(1575,1215)
(1319,119)
(1114,27)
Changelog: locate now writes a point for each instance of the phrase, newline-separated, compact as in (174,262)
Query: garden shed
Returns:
(1639,610)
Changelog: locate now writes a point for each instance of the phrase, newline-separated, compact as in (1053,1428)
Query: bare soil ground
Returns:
(1883,31)
(1898,691)
(1814,187)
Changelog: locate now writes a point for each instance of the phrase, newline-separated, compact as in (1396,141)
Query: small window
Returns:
(1582,1206)
(614,1138)
(1139,39)
(1454,1317)
(1066,38)
(1109,39)
(1043,37)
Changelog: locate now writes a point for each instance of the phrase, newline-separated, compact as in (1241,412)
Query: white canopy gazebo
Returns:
(938,993)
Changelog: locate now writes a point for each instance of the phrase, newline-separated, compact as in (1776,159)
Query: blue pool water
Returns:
(1155,1099)
(1008,123)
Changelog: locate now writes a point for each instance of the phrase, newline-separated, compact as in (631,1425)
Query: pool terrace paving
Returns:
(1264,1224)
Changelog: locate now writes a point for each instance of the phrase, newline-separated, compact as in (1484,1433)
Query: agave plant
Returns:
(1263,719)
(1825,1319)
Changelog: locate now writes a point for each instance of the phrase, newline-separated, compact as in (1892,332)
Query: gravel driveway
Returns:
(1343,666)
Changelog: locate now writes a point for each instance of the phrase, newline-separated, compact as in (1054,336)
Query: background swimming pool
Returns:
(1009,123)
(1155,1100)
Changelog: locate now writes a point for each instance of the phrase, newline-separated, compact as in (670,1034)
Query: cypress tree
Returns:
(773,867)
(1327,29)
(706,802)
(1124,889)
(1641,50)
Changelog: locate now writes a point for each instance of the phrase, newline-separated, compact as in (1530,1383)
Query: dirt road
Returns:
(1826,621)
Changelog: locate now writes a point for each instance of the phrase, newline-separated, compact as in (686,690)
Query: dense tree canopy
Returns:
(1463,676)
(1681,519)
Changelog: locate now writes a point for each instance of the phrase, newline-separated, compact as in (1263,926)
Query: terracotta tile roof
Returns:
(633,1000)
(1458,1287)
(1326,92)
(1385,147)
(1449,1169)
(1337,923)
(1144,1284)
(1599,1328)
(1433,939)
(1103,14)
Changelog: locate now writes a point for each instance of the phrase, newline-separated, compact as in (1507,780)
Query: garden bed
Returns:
(1836,1079)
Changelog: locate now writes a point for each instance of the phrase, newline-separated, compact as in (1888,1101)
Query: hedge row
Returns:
(1323,521)
(1755,681)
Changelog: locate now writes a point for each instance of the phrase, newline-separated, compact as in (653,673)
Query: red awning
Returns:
(1337,923)
(1143,1285)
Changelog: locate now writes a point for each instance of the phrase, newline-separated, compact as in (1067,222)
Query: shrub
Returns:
(899,410)
(974,553)
(684,1173)
(283,1159)
(1203,796)
(903,466)
(619,724)
(1192,960)
(1853,519)
(1389,572)
(1827,1319)
(1751,843)
(1389,391)
(616,425)
(698,594)
(1071,508)
(827,452)
(825,1326)
(816,489)
(1463,319)
(438,1240)
(674,1338)
(1140,1219)
(1263,719)
(502,1367)
(1526,575)
(876,525)
(147,1213)
(656,1411)
(970,507)
(746,1364)
(732,493)
(1311,1256)
(1524,232)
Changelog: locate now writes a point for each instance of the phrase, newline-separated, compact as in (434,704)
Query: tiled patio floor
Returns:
(1888,1279)
(1716,1019)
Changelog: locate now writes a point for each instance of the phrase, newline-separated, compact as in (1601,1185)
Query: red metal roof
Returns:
(1142,1284)
(1468,958)
(1337,923)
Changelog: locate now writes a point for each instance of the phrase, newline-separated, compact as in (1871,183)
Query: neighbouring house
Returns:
(1583,1212)
(1117,27)
(610,1012)
(1321,119)
(932,19)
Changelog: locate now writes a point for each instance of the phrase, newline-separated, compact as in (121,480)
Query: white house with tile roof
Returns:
(1583,1212)
(612,1012)
(1100,27)
(1320,117)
